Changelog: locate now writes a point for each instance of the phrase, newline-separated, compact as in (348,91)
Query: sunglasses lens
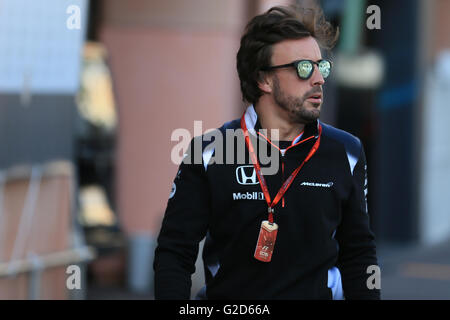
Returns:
(325,68)
(304,69)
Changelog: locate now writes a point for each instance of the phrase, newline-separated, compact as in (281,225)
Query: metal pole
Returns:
(35,276)
(351,26)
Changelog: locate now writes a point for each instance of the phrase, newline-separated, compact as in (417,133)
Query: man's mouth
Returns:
(315,98)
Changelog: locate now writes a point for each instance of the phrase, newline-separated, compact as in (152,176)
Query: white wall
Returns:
(435,173)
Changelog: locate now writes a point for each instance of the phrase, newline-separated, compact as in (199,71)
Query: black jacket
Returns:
(324,244)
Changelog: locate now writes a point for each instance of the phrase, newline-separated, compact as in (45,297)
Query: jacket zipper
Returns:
(282,176)
(282,157)
(283,153)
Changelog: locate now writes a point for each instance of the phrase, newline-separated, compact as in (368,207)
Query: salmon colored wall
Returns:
(441,26)
(167,73)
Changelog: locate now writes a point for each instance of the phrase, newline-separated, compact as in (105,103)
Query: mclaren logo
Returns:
(315,184)
(246,175)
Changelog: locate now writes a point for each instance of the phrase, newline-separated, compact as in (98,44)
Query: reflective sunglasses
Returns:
(305,68)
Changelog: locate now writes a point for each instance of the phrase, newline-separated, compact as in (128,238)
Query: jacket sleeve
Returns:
(357,249)
(184,226)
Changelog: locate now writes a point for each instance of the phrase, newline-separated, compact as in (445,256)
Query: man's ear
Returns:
(265,82)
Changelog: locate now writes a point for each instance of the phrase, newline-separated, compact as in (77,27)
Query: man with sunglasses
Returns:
(301,233)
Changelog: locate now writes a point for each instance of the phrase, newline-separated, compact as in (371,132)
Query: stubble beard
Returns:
(295,106)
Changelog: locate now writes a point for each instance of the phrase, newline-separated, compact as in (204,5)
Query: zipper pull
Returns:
(282,178)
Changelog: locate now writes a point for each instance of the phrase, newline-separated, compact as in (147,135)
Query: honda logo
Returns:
(246,175)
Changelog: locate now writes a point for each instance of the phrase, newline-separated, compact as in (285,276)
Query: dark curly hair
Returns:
(277,24)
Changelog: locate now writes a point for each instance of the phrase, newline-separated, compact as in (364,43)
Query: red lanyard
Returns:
(287,183)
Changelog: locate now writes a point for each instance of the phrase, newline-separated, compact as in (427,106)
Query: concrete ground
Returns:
(415,272)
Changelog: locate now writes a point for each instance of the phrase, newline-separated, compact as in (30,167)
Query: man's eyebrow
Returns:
(308,59)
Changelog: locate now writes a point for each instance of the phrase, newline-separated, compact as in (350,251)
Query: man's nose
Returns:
(317,78)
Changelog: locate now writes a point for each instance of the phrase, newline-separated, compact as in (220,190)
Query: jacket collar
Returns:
(253,125)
